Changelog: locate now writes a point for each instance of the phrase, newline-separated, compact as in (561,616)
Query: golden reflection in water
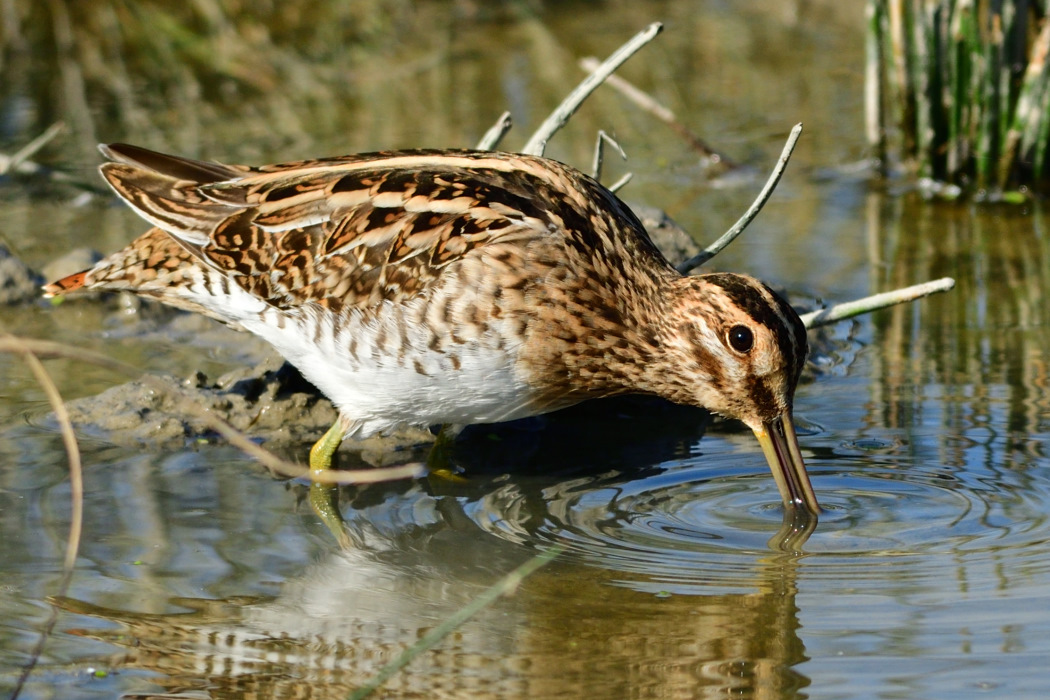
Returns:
(984,344)
(563,634)
(965,374)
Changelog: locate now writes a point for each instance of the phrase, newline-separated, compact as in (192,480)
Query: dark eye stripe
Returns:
(763,397)
(796,336)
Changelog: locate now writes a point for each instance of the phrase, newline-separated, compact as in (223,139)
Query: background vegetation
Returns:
(958,92)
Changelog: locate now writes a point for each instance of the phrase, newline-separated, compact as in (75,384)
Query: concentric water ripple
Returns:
(708,523)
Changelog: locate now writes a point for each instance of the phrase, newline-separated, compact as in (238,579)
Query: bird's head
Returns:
(736,348)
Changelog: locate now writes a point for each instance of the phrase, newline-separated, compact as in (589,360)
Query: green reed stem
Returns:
(962,89)
(875,84)
(504,587)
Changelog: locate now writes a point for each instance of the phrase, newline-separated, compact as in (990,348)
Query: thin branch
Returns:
(69,441)
(752,211)
(286,468)
(48,349)
(649,104)
(495,133)
(537,143)
(11,164)
(599,153)
(849,309)
(76,492)
(616,186)
(504,587)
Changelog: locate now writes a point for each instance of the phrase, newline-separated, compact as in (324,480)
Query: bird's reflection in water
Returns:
(562,635)
(584,626)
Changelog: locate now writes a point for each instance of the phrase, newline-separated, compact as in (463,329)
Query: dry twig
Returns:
(752,211)
(495,133)
(648,103)
(20,160)
(537,143)
(76,488)
(599,153)
(849,309)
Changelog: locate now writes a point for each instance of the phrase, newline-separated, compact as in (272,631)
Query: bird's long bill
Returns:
(777,437)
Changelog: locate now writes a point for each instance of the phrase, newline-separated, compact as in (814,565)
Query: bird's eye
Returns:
(741,339)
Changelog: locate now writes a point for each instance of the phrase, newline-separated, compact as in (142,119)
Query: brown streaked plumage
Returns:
(454,287)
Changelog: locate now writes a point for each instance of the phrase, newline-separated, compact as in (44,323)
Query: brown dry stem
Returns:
(76,488)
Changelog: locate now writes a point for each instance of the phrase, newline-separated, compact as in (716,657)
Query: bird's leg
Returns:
(324,496)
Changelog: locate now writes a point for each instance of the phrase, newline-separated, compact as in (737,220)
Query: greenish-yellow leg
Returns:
(323,496)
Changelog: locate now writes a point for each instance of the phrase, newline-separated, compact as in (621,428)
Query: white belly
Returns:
(381,378)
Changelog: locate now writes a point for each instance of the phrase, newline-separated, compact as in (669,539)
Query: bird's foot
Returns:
(324,496)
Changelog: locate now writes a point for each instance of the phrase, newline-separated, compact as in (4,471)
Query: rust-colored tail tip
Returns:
(65,285)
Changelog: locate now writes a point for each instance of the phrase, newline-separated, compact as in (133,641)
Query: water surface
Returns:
(924,427)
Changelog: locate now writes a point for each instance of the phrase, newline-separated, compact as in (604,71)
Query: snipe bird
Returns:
(453,287)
